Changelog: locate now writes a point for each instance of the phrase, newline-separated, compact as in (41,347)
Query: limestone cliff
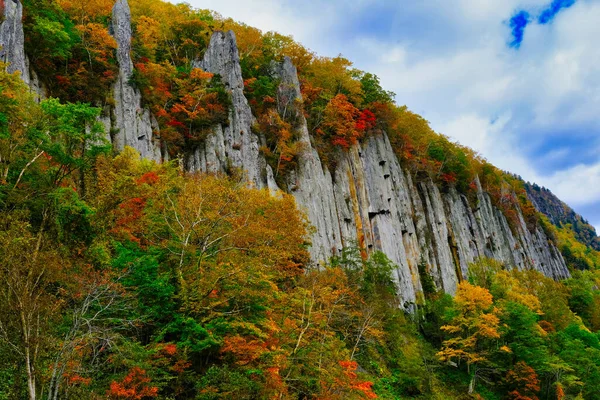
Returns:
(372,201)
(234,144)
(12,40)
(131,124)
(369,199)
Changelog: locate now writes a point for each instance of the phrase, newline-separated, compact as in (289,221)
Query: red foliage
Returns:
(448,178)
(364,387)
(63,80)
(340,122)
(134,386)
(366,121)
(524,382)
(133,209)
(149,177)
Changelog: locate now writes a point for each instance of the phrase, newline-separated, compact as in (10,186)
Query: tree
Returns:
(372,90)
(523,383)
(29,270)
(339,122)
(77,139)
(135,386)
(474,323)
(20,143)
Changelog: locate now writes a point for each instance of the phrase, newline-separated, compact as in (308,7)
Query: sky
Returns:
(516,80)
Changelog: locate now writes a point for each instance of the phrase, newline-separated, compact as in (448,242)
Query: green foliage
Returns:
(482,272)
(427,282)
(372,90)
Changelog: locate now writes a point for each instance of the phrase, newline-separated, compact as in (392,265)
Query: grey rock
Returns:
(132,124)
(234,145)
(310,183)
(12,40)
(377,205)
(369,199)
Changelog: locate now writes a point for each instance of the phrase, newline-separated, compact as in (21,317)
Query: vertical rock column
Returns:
(132,125)
(233,145)
(12,40)
(310,183)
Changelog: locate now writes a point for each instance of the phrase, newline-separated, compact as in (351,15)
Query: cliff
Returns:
(369,199)
(12,45)
(131,124)
(233,144)
(560,213)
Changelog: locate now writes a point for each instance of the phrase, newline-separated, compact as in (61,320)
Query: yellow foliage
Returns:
(511,289)
(475,322)
(333,75)
(89,10)
(148,31)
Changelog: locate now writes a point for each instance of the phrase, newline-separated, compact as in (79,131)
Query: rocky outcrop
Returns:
(233,145)
(131,125)
(12,40)
(310,183)
(370,200)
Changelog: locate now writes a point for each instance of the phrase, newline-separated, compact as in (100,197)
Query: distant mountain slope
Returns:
(560,213)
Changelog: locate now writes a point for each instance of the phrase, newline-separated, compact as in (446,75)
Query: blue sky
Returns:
(517,80)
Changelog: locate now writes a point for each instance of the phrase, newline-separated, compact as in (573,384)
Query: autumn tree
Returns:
(29,270)
(523,382)
(473,325)
(20,144)
(339,122)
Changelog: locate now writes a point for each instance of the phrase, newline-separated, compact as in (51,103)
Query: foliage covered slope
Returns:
(560,213)
(121,278)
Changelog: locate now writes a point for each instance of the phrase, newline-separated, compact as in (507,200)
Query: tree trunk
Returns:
(472,383)
(30,376)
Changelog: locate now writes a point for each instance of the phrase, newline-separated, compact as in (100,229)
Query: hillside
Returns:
(560,213)
(192,208)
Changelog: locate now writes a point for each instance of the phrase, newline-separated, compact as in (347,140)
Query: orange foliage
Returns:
(148,31)
(98,41)
(339,122)
(78,380)
(560,392)
(89,10)
(135,386)
(245,350)
(523,381)
(365,388)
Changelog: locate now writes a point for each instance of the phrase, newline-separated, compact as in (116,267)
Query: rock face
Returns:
(12,40)
(371,201)
(132,125)
(311,185)
(233,145)
(368,200)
